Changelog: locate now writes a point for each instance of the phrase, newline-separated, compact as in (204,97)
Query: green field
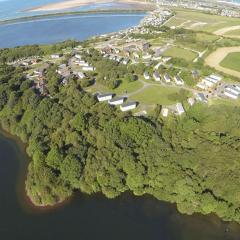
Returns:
(177,52)
(206,37)
(128,87)
(234,32)
(232,61)
(208,22)
(156,95)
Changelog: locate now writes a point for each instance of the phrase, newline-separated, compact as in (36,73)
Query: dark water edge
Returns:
(94,217)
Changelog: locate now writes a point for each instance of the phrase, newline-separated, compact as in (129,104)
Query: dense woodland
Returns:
(78,144)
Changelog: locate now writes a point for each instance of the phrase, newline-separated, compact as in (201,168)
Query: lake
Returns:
(55,29)
(94,217)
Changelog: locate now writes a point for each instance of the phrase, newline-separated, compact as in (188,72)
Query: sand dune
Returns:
(67,4)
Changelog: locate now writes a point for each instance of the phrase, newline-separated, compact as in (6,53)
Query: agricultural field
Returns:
(234,32)
(177,52)
(232,61)
(201,21)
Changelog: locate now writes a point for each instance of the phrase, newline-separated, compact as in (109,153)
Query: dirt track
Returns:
(215,58)
(225,30)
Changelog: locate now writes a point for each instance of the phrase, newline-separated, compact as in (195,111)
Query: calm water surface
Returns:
(94,217)
(55,29)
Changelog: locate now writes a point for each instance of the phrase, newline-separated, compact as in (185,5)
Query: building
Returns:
(232,91)
(156,76)
(116,101)
(230,94)
(125,61)
(201,98)
(146,75)
(105,97)
(165,112)
(81,75)
(191,101)
(179,109)
(78,56)
(88,68)
(167,78)
(128,106)
(55,56)
(178,80)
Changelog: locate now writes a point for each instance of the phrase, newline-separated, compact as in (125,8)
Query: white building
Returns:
(55,56)
(146,75)
(128,106)
(230,94)
(156,76)
(116,101)
(201,97)
(125,61)
(178,80)
(104,97)
(165,112)
(78,56)
(81,75)
(179,109)
(88,68)
(167,78)
(191,101)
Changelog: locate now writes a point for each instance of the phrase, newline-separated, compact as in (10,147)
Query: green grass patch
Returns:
(232,61)
(157,95)
(205,37)
(213,22)
(126,87)
(177,52)
(234,32)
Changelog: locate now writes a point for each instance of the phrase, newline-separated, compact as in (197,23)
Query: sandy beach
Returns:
(68,4)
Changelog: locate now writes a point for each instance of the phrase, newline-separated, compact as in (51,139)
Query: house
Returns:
(179,109)
(156,76)
(146,75)
(116,101)
(128,106)
(215,77)
(55,56)
(178,80)
(230,94)
(88,68)
(164,112)
(167,78)
(201,98)
(105,97)
(81,75)
(125,61)
(82,63)
(78,56)
(191,101)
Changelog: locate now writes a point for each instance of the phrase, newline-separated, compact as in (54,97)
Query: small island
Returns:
(140,110)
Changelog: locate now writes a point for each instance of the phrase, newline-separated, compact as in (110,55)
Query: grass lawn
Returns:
(129,87)
(228,102)
(156,95)
(232,61)
(205,37)
(234,32)
(180,53)
(121,90)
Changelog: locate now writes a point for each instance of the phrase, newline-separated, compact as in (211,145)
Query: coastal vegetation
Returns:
(79,144)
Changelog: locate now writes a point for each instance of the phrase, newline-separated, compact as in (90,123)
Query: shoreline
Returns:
(60,14)
(23,199)
(70,4)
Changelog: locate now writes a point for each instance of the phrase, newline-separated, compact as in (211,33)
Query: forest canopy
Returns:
(76,143)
